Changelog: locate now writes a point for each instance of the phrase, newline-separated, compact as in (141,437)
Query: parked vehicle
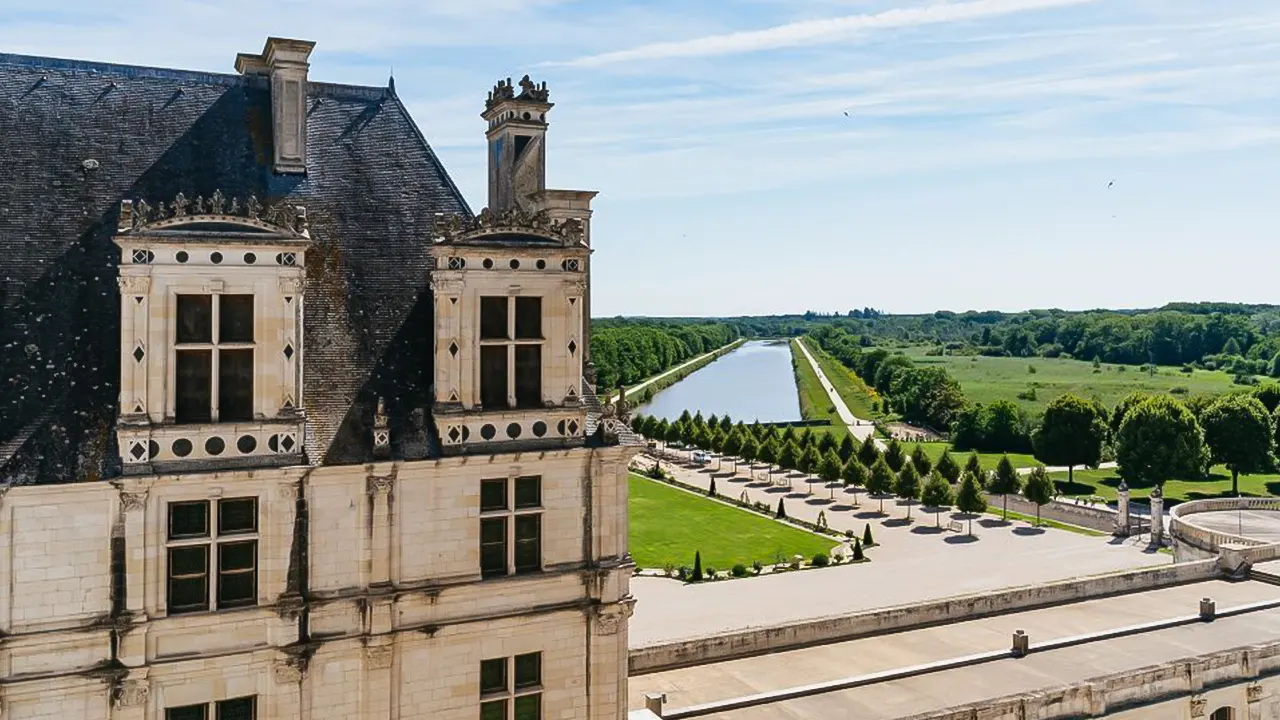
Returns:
(701,458)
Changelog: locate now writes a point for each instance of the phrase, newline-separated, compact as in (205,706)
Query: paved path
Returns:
(641,386)
(858,427)
(914,563)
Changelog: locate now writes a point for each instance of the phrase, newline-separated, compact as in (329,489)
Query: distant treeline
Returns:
(628,351)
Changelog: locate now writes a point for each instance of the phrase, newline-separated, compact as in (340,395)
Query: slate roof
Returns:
(372,188)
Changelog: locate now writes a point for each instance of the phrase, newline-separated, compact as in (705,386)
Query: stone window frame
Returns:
(201,711)
(513,510)
(212,539)
(505,701)
(512,340)
(171,395)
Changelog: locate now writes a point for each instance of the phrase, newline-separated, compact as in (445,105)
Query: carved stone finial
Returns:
(217,203)
(197,207)
(300,225)
(253,207)
(180,204)
(234,208)
(126,220)
(162,212)
(141,213)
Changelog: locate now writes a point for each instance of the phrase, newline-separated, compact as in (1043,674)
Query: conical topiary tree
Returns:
(921,460)
(937,494)
(847,448)
(711,491)
(1039,489)
(868,453)
(969,499)
(880,481)
(782,510)
(894,455)
(829,470)
(866,536)
(1005,481)
(974,465)
(854,474)
(857,551)
(697,566)
(948,467)
(907,485)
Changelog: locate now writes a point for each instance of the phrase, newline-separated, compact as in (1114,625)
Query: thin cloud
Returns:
(814,32)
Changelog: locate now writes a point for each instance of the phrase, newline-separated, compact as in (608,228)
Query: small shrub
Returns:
(1187,369)
(857,551)
(1121,369)
(1027,395)
(1031,369)
(684,573)
(739,570)
(757,567)
(822,520)
(669,569)
(1179,390)
(710,573)
(796,562)
(820,560)
(848,534)
(837,557)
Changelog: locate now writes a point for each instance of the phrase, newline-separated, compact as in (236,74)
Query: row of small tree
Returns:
(850,464)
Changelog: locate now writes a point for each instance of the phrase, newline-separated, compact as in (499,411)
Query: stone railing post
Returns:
(1122,510)
(1157,516)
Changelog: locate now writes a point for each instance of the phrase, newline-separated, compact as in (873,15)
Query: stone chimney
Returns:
(284,63)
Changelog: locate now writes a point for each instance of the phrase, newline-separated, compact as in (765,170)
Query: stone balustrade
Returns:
(1184,529)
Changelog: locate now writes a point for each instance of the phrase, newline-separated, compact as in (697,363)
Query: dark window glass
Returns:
(528,670)
(235,385)
(194,375)
(528,543)
(493,710)
(195,319)
(493,494)
(188,519)
(493,376)
(522,142)
(237,515)
(188,579)
(493,676)
(528,492)
(529,376)
(235,318)
(187,712)
(493,318)
(529,318)
(529,707)
(244,708)
(237,576)
(493,547)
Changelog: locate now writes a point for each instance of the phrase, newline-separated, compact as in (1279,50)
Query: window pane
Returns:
(528,543)
(529,376)
(237,580)
(493,547)
(188,579)
(235,318)
(493,675)
(235,385)
(529,707)
(493,710)
(194,392)
(529,318)
(237,515)
(493,318)
(237,555)
(188,561)
(195,319)
(186,712)
(188,519)
(528,492)
(528,670)
(493,376)
(238,709)
(493,494)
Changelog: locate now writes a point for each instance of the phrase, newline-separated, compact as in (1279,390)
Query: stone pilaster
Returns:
(607,633)
(130,697)
(1122,510)
(135,348)
(379,489)
(291,387)
(133,506)
(378,660)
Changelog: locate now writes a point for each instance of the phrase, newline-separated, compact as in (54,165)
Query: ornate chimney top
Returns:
(529,92)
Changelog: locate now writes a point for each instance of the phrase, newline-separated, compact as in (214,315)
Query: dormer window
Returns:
(510,352)
(214,352)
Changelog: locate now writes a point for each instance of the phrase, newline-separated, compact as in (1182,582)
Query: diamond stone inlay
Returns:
(288,351)
(453,349)
(573,347)
(138,354)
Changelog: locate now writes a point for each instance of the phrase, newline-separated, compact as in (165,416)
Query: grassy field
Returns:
(988,460)
(985,379)
(668,525)
(1103,483)
(815,404)
(852,390)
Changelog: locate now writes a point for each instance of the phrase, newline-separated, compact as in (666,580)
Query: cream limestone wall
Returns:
(396,619)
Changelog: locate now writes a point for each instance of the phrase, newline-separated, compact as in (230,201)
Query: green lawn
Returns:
(852,390)
(988,460)
(668,525)
(815,403)
(985,379)
(1103,483)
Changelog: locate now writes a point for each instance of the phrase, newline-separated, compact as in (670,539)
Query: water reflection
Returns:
(754,382)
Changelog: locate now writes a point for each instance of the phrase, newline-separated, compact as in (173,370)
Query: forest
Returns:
(627,351)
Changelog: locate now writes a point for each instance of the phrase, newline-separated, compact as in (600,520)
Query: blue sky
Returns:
(971,171)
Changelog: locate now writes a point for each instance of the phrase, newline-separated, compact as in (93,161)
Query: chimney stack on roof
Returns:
(284,63)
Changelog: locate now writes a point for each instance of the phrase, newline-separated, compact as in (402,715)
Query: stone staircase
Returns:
(1267,572)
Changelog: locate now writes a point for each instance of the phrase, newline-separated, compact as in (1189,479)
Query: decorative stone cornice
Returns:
(133,501)
(460,228)
(378,657)
(375,484)
(131,694)
(134,284)
(529,92)
(280,217)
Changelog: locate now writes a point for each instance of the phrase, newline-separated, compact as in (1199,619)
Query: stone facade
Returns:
(231,569)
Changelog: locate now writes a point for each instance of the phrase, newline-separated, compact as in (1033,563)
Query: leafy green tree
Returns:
(789,456)
(789,434)
(907,485)
(805,439)
(759,431)
(726,423)
(974,465)
(687,432)
(937,494)
(1238,431)
(1039,489)
(685,418)
(1274,369)
(768,455)
(1159,440)
(894,455)
(713,422)
(1005,481)
(810,459)
(717,444)
(868,453)
(854,474)
(675,433)
(749,451)
(1122,408)
(880,481)
(1269,395)
(829,470)
(847,448)
(701,438)
(969,499)
(921,460)
(733,446)
(948,467)
(1071,433)
(826,442)
(1231,348)
(660,430)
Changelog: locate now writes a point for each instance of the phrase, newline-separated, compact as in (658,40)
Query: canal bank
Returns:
(753,382)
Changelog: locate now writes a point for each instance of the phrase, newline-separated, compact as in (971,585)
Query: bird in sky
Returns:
(1113,182)
(846,113)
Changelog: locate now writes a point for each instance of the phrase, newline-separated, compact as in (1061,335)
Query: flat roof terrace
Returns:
(939,689)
